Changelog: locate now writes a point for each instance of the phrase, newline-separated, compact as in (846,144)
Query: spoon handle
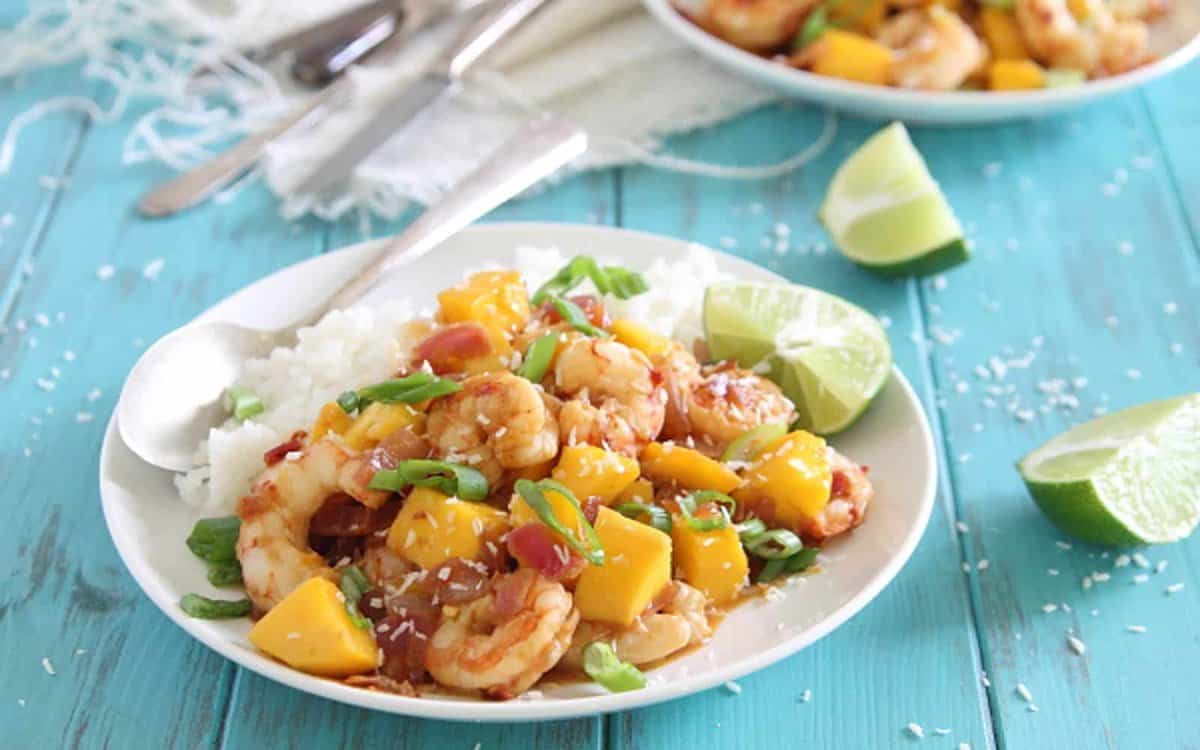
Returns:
(535,152)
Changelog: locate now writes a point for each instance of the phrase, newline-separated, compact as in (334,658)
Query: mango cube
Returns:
(310,630)
(588,471)
(637,336)
(520,513)
(331,418)
(687,467)
(639,491)
(1002,34)
(1015,75)
(432,528)
(493,298)
(377,421)
(712,561)
(853,57)
(792,474)
(637,564)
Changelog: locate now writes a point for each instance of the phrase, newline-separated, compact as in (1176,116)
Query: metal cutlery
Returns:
(442,78)
(173,394)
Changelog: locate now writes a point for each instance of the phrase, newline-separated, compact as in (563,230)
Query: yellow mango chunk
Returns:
(331,418)
(377,421)
(688,468)
(637,564)
(310,630)
(588,471)
(639,491)
(519,513)
(712,561)
(494,298)
(433,528)
(1002,34)
(1015,75)
(853,57)
(638,336)
(793,475)
(865,16)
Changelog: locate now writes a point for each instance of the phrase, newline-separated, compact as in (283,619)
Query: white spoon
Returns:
(174,394)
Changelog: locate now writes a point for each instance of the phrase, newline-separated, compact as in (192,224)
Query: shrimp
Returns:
(497,421)
(755,24)
(505,641)
(616,397)
(847,506)
(273,542)
(1097,43)
(934,48)
(715,404)
(679,621)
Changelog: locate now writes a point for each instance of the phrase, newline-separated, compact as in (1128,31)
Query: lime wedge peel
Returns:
(1131,477)
(886,213)
(829,356)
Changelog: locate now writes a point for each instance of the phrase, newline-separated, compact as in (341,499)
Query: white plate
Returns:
(1174,38)
(149,523)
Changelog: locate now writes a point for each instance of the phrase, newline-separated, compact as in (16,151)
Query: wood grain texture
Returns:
(910,657)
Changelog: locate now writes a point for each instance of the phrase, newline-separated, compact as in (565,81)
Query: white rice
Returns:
(349,349)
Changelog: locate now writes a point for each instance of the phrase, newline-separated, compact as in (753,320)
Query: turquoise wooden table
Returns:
(1081,297)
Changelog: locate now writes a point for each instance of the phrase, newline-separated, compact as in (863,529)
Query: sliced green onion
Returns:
(590,548)
(787,565)
(436,389)
(772,570)
(752,442)
(1001,4)
(204,608)
(615,280)
(537,359)
(225,573)
(688,504)
(244,403)
(750,528)
(775,544)
(576,317)
(658,518)
(348,401)
(602,665)
(353,585)
(214,540)
(814,26)
(455,480)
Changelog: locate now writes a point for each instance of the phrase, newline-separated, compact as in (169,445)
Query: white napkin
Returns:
(604,63)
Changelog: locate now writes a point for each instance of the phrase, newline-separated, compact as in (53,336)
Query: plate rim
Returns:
(986,106)
(529,710)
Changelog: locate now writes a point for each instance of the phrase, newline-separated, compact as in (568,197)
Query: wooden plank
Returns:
(125,676)
(1175,119)
(910,657)
(1079,254)
(293,719)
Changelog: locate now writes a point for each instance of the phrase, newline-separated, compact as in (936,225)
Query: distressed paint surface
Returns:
(1049,277)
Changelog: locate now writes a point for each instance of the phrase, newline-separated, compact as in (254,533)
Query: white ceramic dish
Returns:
(1175,39)
(149,523)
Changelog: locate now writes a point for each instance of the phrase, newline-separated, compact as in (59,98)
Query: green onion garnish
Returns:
(353,585)
(214,540)
(1001,4)
(455,480)
(687,508)
(602,665)
(204,608)
(775,544)
(750,528)
(750,443)
(244,403)
(576,317)
(410,389)
(537,359)
(658,518)
(787,565)
(615,280)
(814,27)
(590,548)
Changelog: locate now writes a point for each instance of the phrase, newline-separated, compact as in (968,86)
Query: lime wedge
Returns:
(1132,477)
(886,213)
(829,356)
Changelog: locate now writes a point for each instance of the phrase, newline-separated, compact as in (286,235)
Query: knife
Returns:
(205,179)
(440,79)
